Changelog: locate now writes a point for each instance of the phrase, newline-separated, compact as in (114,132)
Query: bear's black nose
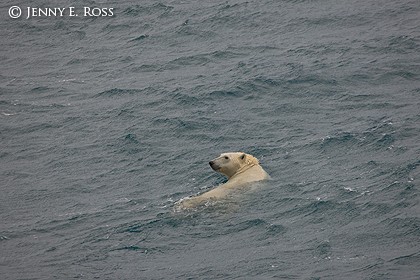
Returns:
(211,163)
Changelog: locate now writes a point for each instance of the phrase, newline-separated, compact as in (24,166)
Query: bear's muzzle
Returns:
(213,165)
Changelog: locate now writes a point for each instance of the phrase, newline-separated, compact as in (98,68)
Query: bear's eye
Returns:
(226,157)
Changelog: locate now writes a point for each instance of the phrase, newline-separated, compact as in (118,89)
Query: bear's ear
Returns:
(243,156)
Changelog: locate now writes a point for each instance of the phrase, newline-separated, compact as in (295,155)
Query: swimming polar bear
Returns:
(240,169)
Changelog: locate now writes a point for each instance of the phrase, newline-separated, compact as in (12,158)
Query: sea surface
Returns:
(107,121)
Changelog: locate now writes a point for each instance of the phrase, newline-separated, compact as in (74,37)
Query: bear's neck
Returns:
(241,170)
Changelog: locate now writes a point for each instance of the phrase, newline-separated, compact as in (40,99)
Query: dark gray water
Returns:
(105,122)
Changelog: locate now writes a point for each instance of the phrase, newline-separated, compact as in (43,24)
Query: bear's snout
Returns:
(213,165)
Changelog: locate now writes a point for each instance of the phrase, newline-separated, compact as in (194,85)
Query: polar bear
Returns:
(240,169)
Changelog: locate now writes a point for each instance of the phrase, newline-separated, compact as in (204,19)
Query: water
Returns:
(106,122)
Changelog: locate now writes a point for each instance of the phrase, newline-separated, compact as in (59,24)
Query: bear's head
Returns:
(230,164)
